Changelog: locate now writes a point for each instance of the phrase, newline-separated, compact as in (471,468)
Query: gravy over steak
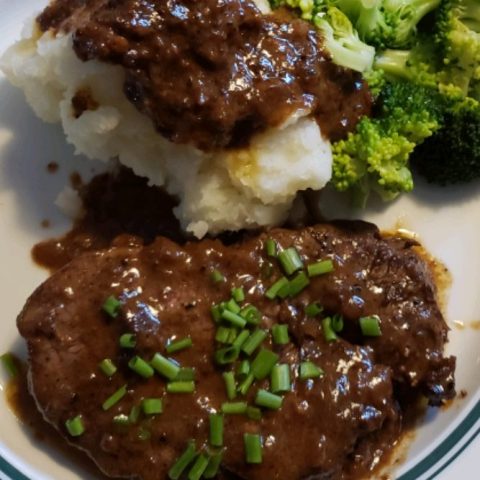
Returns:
(214,72)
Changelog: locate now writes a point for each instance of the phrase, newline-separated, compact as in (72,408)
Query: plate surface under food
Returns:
(446,220)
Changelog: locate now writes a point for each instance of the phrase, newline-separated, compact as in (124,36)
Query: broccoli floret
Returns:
(452,154)
(375,156)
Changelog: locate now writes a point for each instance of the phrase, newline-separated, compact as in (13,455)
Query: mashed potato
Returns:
(227,190)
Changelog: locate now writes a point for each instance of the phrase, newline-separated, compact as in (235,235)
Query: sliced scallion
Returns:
(112,306)
(75,426)
(128,340)
(181,387)
(182,462)
(216,430)
(263,363)
(271,247)
(217,277)
(234,408)
(370,326)
(222,334)
(152,406)
(179,345)
(320,268)
(230,385)
(337,323)
(140,366)
(232,306)
(185,374)
(241,338)
(272,292)
(290,260)
(234,318)
(107,367)
(268,400)
(313,309)
(164,366)
(328,331)
(114,398)
(251,314)
(246,384)
(226,355)
(280,378)
(309,370)
(198,467)
(254,341)
(243,369)
(253,448)
(213,465)
(298,284)
(280,334)
(238,294)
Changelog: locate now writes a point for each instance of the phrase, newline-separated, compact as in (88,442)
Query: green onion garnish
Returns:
(263,363)
(213,465)
(226,355)
(320,268)
(280,334)
(238,294)
(75,426)
(253,448)
(313,309)
(164,366)
(134,414)
(241,338)
(234,408)
(309,370)
(199,466)
(251,314)
(298,284)
(246,384)
(337,323)
(216,430)
(216,311)
(112,306)
(217,277)
(284,292)
(222,334)
(254,341)
(234,318)
(141,367)
(271,247)
(268,400)
(233,306)
(121,420)
(230,386)
(114,398)
(370,326)
(186,374)
(182,462)
(272,292)
(178,345)
(243,369)
(254,413)
(280,378)
(152,406)
(290,260)
(181,387)
(328,331)
(107,367)
(9,362)
(128,340)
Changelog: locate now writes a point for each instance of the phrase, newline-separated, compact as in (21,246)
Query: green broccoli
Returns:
(376,156)
(452,154)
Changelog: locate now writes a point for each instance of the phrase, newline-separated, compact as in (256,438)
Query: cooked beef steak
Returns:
(166,293)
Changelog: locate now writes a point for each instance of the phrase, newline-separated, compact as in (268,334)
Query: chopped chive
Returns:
(337,323)
(370,326)
(128,340)
(254,413)
(280,378)
(199,466)
(313,309)
(328,331)
(152,406)
(183,461)
(164,366)
(290,260)
(107,367)
(217,277)
(320,268)
(233,318)
(251,314)
(246,384)
(238,294)
(226,355)
(233,306)
(263,363)
(222,334)
(280,334)
(9,362)
(181,387)
(213,465)
(234,408)
(216,311)
(253,448)
(216,430)
(141,367)
(178,345)
(134,414)
(114,398)
(241,338)
(112,306)
(121,420)
(75,426)
(230,386)
(254,341)
(232,335)
(298,284)
(268,400)
(272,292)
(284,292)
(271,247)
(185,374)
(243,369)
(309,370)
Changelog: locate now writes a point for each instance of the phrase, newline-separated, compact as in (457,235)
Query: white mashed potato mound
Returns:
(229,190)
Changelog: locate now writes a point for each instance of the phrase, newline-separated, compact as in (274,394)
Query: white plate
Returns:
(447,220)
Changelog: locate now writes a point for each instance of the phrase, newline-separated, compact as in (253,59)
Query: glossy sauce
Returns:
(214,72)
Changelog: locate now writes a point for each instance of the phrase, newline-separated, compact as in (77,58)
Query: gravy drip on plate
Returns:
(214,72)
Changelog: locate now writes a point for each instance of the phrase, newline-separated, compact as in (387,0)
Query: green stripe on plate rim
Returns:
(419,469)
